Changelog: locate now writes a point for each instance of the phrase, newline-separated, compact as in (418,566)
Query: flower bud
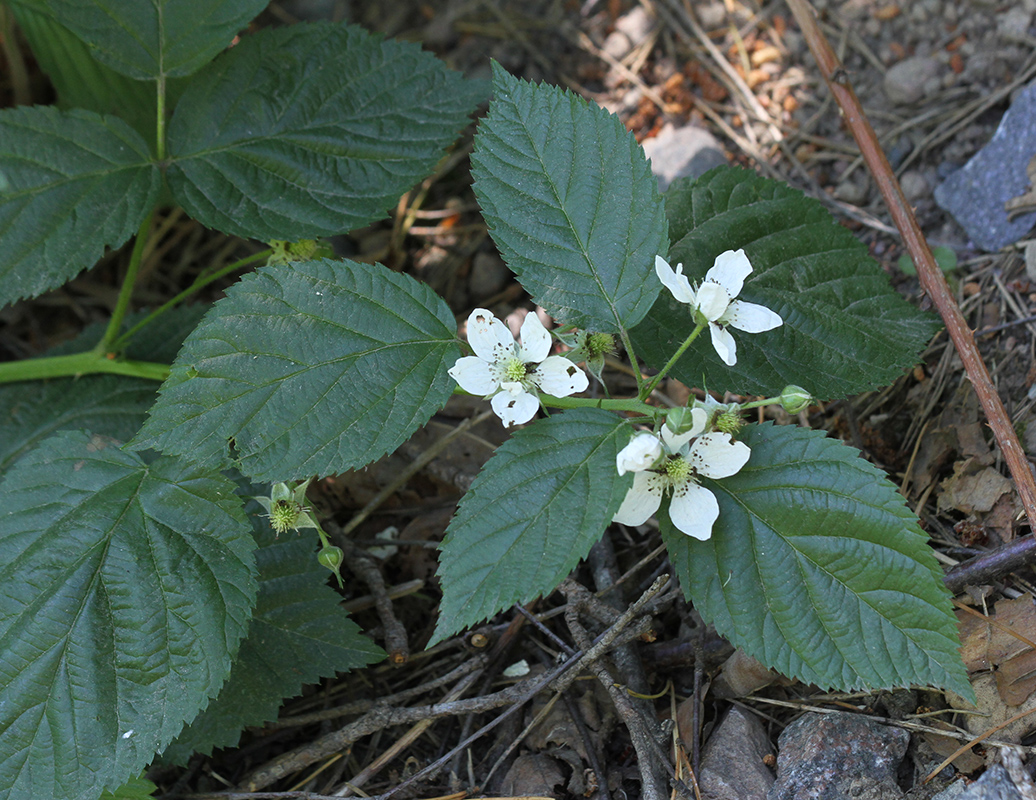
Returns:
(682,420)
(795,399)
(331,557)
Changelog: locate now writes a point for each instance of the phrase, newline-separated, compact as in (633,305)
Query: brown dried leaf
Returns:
(969,493)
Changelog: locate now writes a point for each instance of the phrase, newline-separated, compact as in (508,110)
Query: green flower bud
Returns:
(730,421)
(795,399)
(302,250)
(331,557)
(679,420)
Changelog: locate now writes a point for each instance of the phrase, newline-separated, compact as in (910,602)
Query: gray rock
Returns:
(637,24)
(995,784)
(732,765)
(838,757)
(686,152)
(976,193)
(952,792)
(905,82)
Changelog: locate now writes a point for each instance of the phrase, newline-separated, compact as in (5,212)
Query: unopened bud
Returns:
(331,557)
(795,399)
(680,420)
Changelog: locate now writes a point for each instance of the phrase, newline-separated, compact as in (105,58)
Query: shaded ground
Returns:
(740,70)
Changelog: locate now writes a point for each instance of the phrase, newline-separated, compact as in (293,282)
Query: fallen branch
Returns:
(932,279)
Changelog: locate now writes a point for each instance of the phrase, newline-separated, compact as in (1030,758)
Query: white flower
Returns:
(693,508)
(510,373)
(714,299)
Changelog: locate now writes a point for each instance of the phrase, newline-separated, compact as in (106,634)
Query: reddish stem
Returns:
(932,279)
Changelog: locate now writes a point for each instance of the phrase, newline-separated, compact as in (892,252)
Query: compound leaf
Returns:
(536,508)
(311,130)
(818,570)
(71,183)
(124,591)
(311,368)
(845,329)
(571,203)
(148,40)
(299,633)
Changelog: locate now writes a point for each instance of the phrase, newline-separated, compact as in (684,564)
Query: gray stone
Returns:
(952,792)
(686,152)
(905,82)
(976,193)
(995,784)
(637,24)
(838,756)
(732,765)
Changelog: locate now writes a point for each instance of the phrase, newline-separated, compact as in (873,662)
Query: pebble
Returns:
(915,185)
(905,81)
(851,191)
(686,152)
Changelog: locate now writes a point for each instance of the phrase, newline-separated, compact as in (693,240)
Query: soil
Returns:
(757,90)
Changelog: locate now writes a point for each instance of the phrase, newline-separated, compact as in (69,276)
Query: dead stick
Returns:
(931,277)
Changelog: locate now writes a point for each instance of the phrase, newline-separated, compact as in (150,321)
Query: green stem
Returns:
(129,281)
(646,392)
(628,345)
(160,118)
(200,283)
(622,404)
(79,364)
(756,403)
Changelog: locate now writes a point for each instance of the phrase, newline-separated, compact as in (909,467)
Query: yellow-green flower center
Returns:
(678,469)
(729,422)
(515,370)
(283,515)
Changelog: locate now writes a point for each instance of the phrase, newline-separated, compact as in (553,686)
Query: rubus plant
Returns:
(141,577)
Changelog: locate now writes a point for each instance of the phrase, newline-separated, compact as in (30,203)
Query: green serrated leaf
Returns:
(124,591)
(71,183)
(536,508)
(147,40)
(845,329)
(571,203)
(133,789)
(817,569)
(311,368)
(299,633)
(110,405)
(311,130)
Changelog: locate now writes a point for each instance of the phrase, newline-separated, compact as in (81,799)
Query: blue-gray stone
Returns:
(686,152)
(976,193)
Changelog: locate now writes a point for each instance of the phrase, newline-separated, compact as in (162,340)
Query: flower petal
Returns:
(514,408)
(724,343)
(535,340)
(489,337)
(473,376)
(560,377)
(729,270)
(642,500)
(712,300)
(717,455)
(751,317)
(676,282)
(640,454)
(693,510)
